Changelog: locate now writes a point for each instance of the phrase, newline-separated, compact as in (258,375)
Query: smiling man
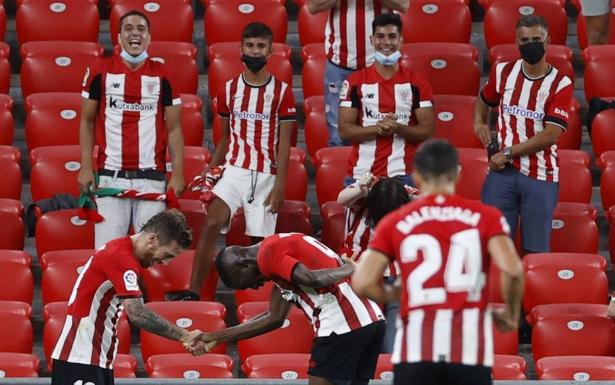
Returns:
(385,108)
(349,330)
(132,112)
(108,284)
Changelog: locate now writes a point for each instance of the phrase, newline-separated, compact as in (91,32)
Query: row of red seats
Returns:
(58,21)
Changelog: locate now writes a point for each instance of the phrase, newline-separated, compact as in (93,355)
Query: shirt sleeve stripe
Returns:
(425,104)
(557,121)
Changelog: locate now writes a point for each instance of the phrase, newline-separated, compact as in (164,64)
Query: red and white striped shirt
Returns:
(332,309)
(348,30)
(255,113)
(525,106)
(130,128)
(375,97)
(89,334)
(440,243)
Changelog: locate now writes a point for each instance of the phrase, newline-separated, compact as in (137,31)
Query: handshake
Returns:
(198,343)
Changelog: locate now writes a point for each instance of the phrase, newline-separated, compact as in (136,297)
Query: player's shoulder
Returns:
(117,249)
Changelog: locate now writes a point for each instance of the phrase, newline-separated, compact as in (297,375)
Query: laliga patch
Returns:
(344,90)
(130,281)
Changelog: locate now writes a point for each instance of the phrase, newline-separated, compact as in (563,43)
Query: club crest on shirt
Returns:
(130,281)
(405,96)
(344,90)
(542,96)
(150,87)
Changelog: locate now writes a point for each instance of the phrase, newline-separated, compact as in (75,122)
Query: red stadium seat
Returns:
(505,343)
(16,256)
(16,282)
(195,159)
(574,232)
(297,181)
(2,22)
(222,14)
(559,56)
(68,20)
(582,27)
(193,127)
(541,312)
(254,295)
(294,216)
(159,12)
(175,276)
(576,368)
(487,3)
(61,256)
(180,60)
(611,235)
(574,156)
(56,66)
(183,314)
(474,162)
(599,80)
(314,104)
(195,213)
(450,68)
(10,153)
(18,365)
(531,261)
(224,68)
(53,122)
(455,120)
(295,336)
(184,365)
(331,208)
(12,231)
(602,132)
(422,15)
(10,187)
(54,171)
(207,3)
(62,230)
(575,183)
(316,131)
(331,169)
(384,368)
(548,284)
(311,26)
(125,366)
(16,335)
(55,323)
(573,335)
(59,278)
(5,72)
(333,231)
(501,17)
(285,366)
(508,368)
(567,208)
(6,124)
(313,72)
(233,48)
(607,187)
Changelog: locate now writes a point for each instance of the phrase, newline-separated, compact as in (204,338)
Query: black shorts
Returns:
(441,373)
(348,358)
(69,373)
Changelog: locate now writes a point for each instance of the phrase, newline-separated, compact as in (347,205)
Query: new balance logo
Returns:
(370,96)
(115,85)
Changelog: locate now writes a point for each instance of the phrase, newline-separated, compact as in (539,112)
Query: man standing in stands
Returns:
(349,330)
(108,284)
(533,100)
(347,46)
(257,112)
(444,245)
(136,111)
(596,14)
(385,109)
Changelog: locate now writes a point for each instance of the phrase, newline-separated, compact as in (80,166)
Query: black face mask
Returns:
(254,63)
(532,52)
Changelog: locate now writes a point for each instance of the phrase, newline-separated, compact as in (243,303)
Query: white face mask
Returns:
(388,60)
(128,57)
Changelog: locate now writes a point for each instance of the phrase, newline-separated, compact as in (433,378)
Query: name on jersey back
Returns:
(439,214)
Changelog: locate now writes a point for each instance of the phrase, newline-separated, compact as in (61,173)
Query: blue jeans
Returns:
(334,77)
(518,195)
(391,311)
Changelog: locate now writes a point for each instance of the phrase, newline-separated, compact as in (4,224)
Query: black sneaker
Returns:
(182,295)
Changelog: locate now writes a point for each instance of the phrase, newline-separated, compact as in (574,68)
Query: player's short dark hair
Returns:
(385,196)
(169,226)
(134,13)
(387,18)
(530,21)
(257,30)
(436,158)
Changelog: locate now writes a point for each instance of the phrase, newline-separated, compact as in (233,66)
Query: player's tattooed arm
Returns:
(146,319)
